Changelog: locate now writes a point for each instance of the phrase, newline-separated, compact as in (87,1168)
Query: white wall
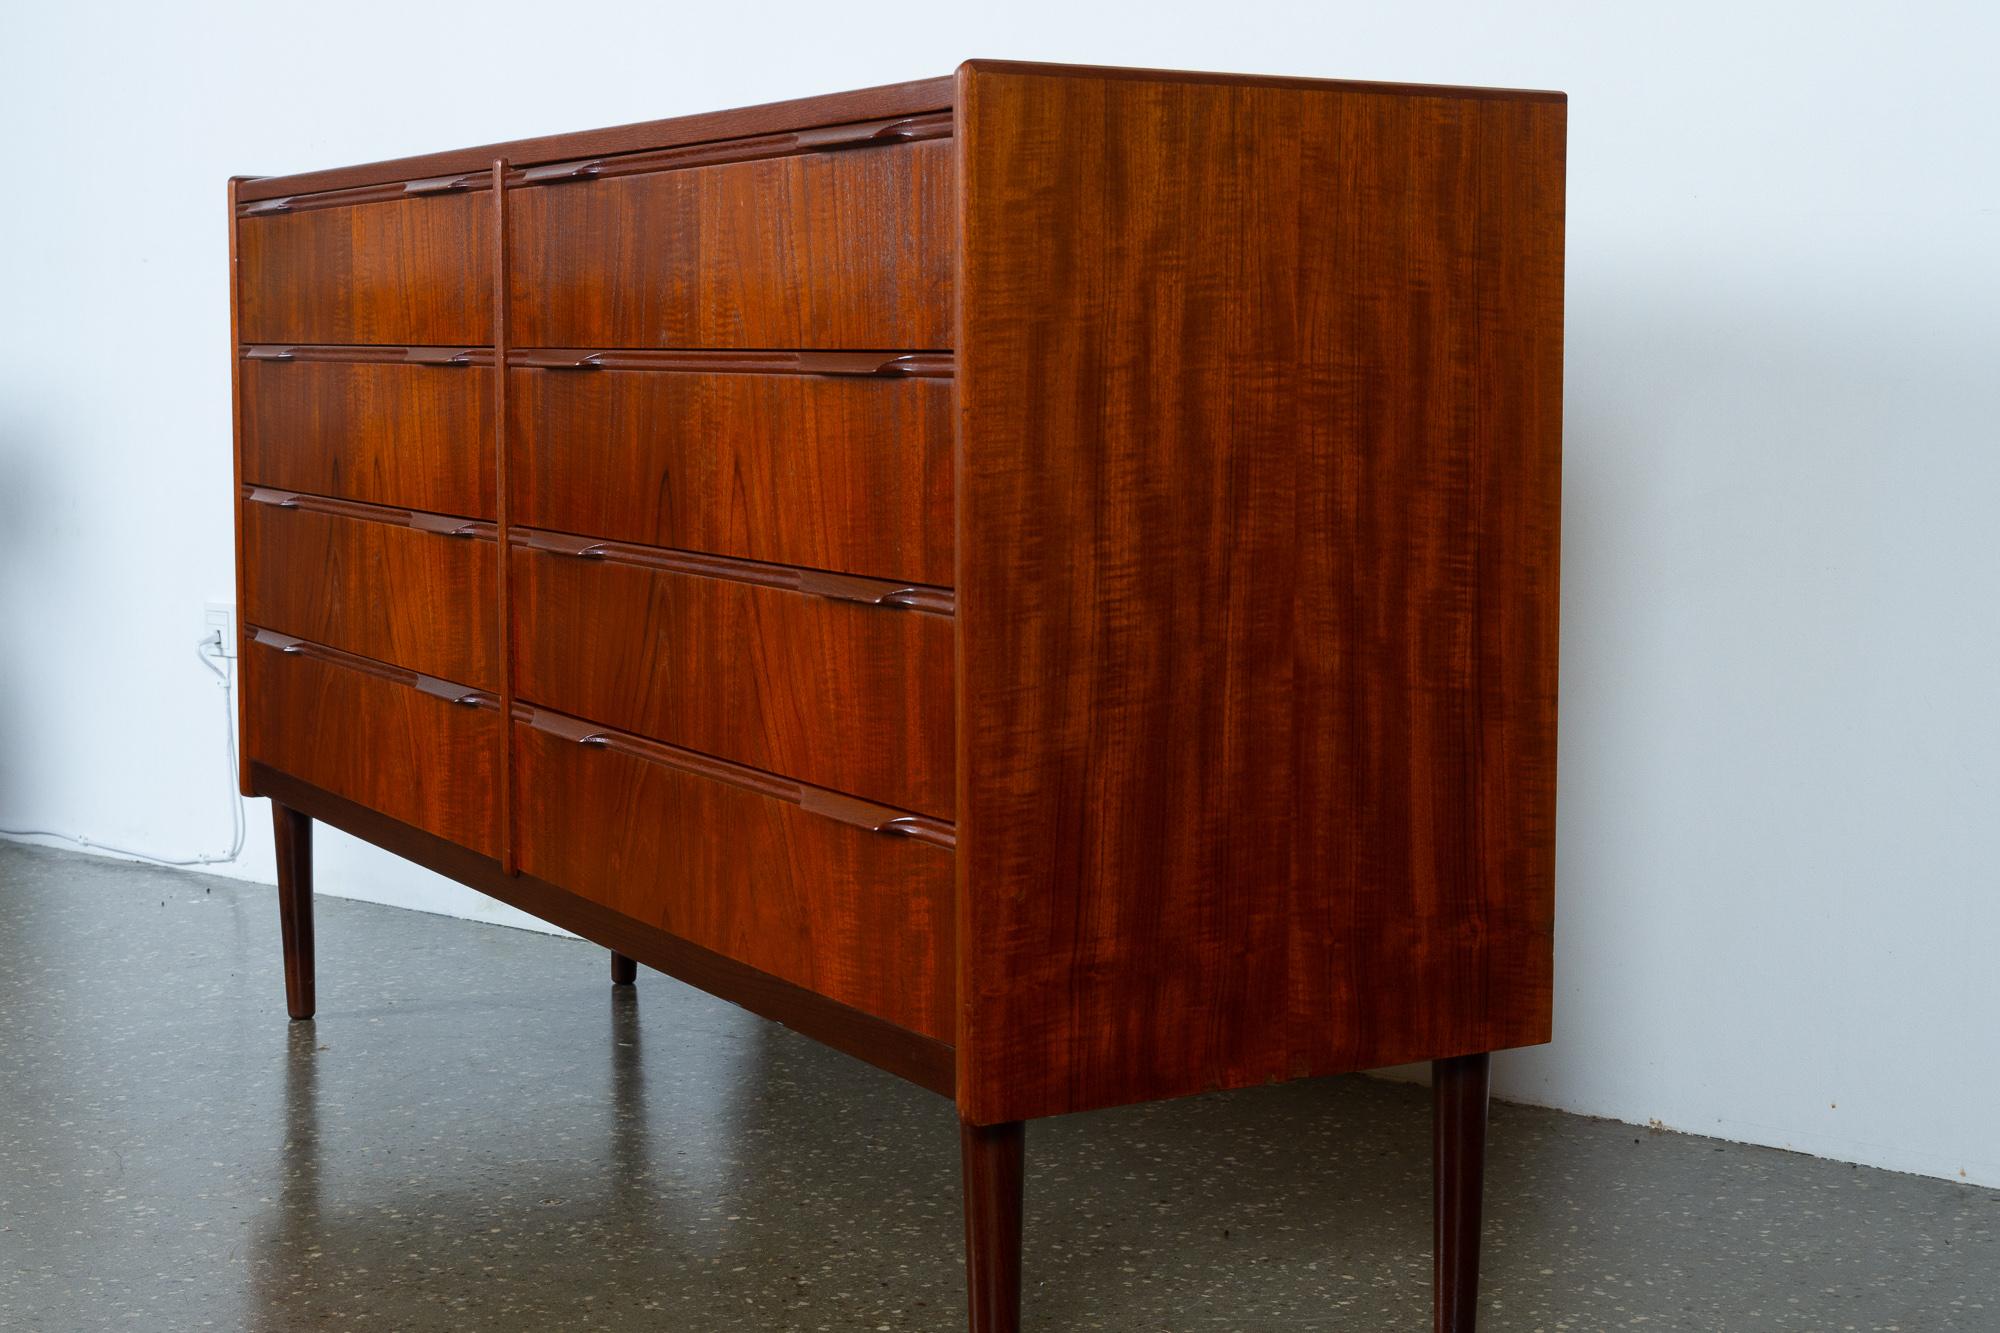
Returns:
(1779,902)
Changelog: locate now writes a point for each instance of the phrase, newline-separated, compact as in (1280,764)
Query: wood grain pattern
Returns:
(896,99)
(850,474)
(413,599)
(851,697)
(409,271)
(291,837)
(992,1165)
(862,918)
(510,854)
(377,741)
(1227,637)
(846,249)
(414,437)
(924,1061)
(1460,1089)
(236,457)
(1258,518)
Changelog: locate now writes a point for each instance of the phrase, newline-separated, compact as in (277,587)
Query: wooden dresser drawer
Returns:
(387,584)
(849,249)
(821,688)
(830,471)
(404,431)
(404,271)
(414,748)
(744,865)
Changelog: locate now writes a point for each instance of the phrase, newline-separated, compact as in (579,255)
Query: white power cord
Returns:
(239,820)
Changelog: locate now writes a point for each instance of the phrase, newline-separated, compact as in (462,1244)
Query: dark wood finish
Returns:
(862,918)
(729,463)
(924,1061)
(848,249)
(412,271)
(236,462)
(327,577)
(855,698)
(389,192)
(737,361)
(1193,727)
(624,971)
(1459,1088)
(856,588)
(914,98)
(412,436)
(870,816)
(993,1161)
(865,134)
(1453,92)
(1257,619)
(510,851)
(374,737)
(292,833)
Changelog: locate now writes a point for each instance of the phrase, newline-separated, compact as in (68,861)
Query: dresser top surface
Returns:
(917,97)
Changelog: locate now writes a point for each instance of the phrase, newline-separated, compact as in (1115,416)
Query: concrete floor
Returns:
(478,1133)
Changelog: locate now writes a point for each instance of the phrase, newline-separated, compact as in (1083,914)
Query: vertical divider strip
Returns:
(509,855)
(235,650)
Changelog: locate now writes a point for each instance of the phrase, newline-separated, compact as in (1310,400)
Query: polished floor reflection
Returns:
(478,1133)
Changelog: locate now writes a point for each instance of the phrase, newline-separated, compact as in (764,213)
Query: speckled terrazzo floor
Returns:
(478,1133)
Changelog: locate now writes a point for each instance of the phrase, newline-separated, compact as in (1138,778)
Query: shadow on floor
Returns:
(478,1133)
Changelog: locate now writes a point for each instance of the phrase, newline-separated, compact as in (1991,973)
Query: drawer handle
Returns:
(442,184)
(559,360)
(437,356)
(443,525)
(284,643)
(556,543)
(264,495)
(874,592)
(561,171)
(561,725)
(450,693)
(873,132)
(264,353)
(849,810)
(873,363)
(873,818)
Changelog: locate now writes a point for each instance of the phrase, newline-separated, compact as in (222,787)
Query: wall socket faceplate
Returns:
(220,617)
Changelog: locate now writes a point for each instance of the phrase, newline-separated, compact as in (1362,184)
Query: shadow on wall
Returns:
(24,508)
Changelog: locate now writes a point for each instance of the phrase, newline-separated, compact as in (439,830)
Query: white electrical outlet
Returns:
(220,618)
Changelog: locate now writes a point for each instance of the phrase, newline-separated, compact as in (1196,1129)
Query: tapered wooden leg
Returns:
(295,905)
(993,1158)
(1458,1154)
(624,971)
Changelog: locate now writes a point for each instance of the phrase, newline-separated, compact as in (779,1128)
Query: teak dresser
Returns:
(1043,579)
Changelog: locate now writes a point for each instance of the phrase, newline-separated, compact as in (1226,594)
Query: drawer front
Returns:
(851,474)
(829,250)
(408,271)
(377,587)
(841,695)
(411,436)
(864,918)
(377,738)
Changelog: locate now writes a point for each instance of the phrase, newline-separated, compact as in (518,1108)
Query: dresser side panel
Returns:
(1258,470)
